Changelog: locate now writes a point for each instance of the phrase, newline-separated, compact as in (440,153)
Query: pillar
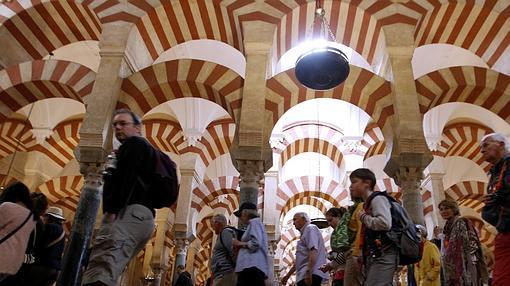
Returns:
(270,215)
(94,135)
(438,195)
(252,173)
(181,249)
(409,152)
(83,227)
(409,181)
(250,150)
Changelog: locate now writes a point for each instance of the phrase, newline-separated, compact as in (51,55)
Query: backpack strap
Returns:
(16,229)
(57,239)
(230,252)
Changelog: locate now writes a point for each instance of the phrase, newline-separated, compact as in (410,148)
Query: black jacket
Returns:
(498,212)
(135,158)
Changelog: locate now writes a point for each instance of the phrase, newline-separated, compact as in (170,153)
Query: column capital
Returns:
(406,166)
(181,245)
(409,178)
(251,171)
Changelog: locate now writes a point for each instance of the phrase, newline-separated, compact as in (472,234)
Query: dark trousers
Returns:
(316,281)
(251,277)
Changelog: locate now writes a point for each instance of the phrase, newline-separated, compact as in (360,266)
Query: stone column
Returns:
(409,153)
(409,180)
(189,179)
(273,268)
(270,215)
(250,150)
(95,133)
(438,195)
(83,226)
(181,249)
(251,173)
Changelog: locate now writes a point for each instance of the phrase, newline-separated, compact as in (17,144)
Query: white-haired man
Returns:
(223,258)
(494,148)
(310,254)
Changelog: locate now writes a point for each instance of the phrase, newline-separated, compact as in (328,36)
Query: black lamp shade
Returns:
(322,68)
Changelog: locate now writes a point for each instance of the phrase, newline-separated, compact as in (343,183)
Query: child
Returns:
(380,253)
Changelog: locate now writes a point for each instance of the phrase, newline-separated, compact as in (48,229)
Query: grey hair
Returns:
(251,213)
(422,230)
(219,218)
(498,137)
(303,215)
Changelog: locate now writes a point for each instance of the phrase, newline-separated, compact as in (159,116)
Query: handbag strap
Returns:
(16,229)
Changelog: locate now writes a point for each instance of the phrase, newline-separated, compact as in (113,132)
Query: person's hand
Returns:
(437,231)
(308,278)
(326,268)
(237,243)
(488,199)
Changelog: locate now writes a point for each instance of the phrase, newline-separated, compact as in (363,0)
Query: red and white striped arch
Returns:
(463,140)
(31,29)
(301,199)
(162,82)
(311,145)
(168,24)
(468,193)
(164,134)
(321,131)
(32,81)
(287,237)
(205,232)
(479,86)
(486,237)
(479,26)
(15,135)
(310,186)
(207,193)
(63,191)
(362,88)
(215,141)
(61,144)
(373,140)
(167,136)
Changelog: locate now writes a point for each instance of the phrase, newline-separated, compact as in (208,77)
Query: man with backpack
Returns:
(128,201)
(223,257)
(379,251)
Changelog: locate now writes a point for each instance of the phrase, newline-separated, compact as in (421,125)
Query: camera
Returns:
(110,164)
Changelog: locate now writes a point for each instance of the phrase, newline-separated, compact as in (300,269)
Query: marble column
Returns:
(181,249)
(83,226)
(188,181)
(409,180)
(409,151)
(251,173)
(438,195)
(95,140)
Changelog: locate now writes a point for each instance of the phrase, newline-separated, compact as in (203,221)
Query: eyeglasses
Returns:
(121,123)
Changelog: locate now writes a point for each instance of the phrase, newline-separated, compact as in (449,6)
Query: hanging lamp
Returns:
(323,67)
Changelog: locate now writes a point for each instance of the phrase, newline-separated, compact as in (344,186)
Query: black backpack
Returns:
(164,187)
(403,233)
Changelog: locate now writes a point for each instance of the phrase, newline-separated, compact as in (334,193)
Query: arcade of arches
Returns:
(214,82)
